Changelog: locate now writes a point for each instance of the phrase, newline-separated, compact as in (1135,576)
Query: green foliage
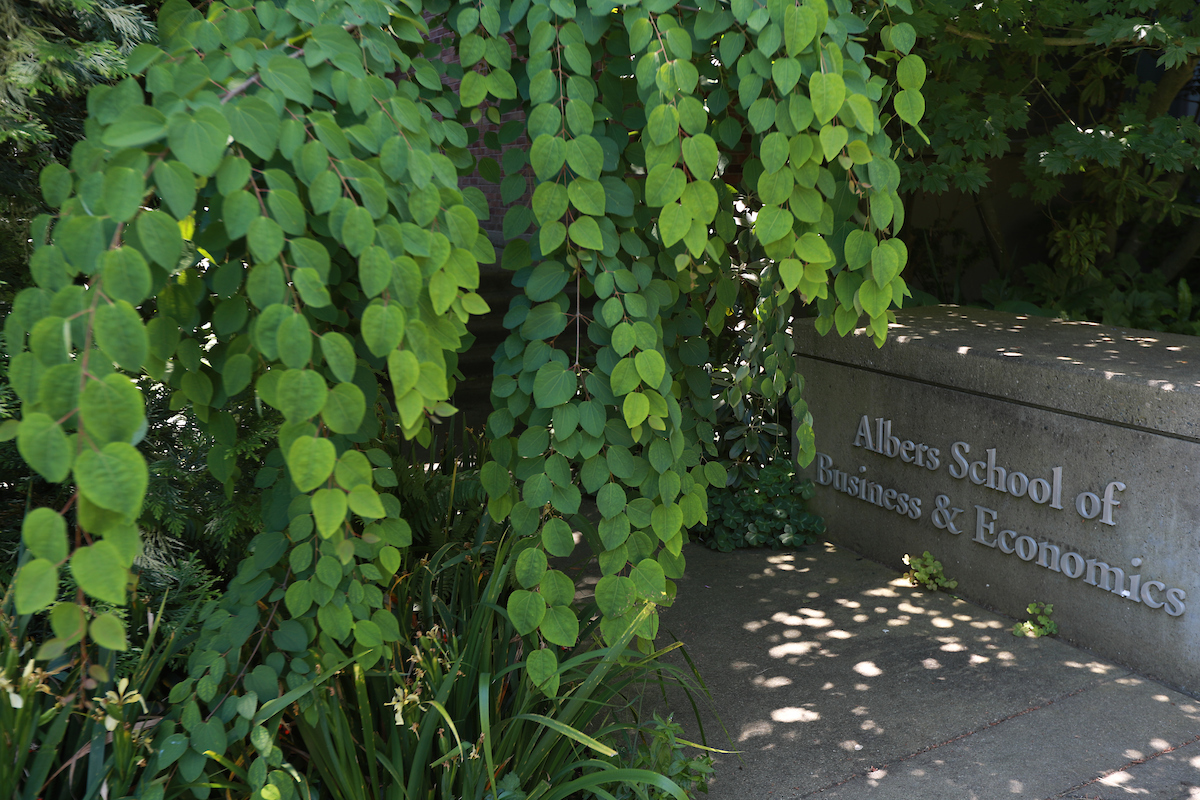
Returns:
(657,745)
(53,51)
(185,502)
(1041,625)
(751,426)
(440,506)
(8,398)
(111,475)
(602,383)
(57,750)
(1083,94)
(1125,296)
(439,487)
(451,711)
(769,511)
(171,583)
(271,235)
(925,570)
(1078,70)
(50,54)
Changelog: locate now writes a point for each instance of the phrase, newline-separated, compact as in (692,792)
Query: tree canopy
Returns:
(1096,104)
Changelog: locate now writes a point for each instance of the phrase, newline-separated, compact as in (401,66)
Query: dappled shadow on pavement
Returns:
(827,670)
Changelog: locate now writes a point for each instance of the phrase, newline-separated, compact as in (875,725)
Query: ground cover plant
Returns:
(768,511)
(265,223)
(925,570)
(657,744)
(1040,625)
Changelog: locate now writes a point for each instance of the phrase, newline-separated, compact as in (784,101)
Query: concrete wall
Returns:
(1024,453)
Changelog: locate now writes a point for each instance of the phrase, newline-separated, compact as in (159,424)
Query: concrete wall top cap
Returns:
(1131,377)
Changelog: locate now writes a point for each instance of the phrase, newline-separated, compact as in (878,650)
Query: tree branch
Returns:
(234,91)
(239,88)
(1049,41)
(1170,85)
(993,232)
(1144,227)
(1181,257)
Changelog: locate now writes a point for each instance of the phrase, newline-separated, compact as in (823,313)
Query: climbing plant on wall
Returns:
(271,209)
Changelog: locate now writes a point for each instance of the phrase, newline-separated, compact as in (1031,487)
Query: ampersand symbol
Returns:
(943,514)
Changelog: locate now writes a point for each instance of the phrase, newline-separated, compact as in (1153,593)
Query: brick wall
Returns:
(487,145)
(472,394)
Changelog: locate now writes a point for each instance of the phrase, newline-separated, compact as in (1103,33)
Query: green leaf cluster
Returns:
(1040,625)
(256,214)
(259,218)
(768,511)
(925,570)
(1074,113)
(643,212)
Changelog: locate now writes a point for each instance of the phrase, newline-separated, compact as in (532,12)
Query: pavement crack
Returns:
(980,729)
(1124,767)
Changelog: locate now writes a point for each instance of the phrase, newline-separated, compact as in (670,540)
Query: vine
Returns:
(261,213)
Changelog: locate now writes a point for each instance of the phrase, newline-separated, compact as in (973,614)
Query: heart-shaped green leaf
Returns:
(114,477)
(99,571)
(833,139)
(36,586)
(542,668)
(301,394)
(526,610)
(310,461)
(44,532)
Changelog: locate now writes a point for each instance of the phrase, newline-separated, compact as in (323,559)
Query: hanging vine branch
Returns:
(335,263)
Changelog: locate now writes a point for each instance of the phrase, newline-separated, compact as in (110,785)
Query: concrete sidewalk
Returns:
(837,679)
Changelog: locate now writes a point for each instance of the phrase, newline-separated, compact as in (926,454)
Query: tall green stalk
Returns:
(451,713)
(51,750)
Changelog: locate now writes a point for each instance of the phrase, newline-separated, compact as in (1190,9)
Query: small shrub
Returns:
(925,570)
(1043,626)
(769,512)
